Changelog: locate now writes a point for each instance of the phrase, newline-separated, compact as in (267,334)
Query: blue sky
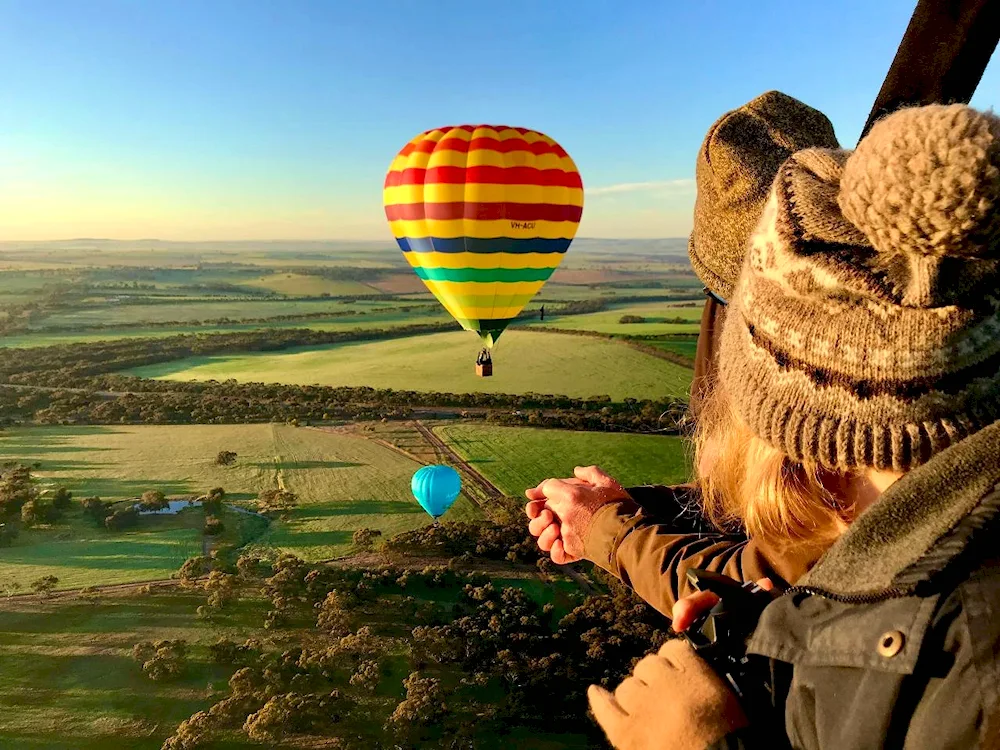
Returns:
(246,119)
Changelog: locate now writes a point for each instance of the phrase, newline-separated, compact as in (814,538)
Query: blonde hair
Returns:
(748,483)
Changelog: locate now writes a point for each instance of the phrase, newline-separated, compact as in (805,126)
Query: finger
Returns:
(533,493)
(683,658)
(629,693)
(766,583)
(551,485)
(595,475)
(675,652)
(558,552)
(538,525)
(536,506)
(687,610)
(608,713)
(548,537)
(651,670)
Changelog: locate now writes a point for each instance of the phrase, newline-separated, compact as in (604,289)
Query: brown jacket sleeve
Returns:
(646,552)
(648,555)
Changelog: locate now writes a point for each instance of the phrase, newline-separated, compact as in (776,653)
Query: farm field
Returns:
(368,320)
(524,362)
(686,347)
(656,315)
(515,458)
(302,285)
(69,683)
(188,311)
(343,482)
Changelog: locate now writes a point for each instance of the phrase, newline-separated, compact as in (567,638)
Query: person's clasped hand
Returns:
(561,510)
(673,701)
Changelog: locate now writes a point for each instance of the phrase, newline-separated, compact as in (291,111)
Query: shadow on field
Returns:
(96,555)
(305,465)
(331,538)
(108,487)
(40,448)
(70,465)
(359,508)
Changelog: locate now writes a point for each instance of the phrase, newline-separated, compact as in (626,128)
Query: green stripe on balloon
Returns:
(484,275)
(489,330)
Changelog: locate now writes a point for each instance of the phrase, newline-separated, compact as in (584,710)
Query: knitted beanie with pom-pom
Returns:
(865,327)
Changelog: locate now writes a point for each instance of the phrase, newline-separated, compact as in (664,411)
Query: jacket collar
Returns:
(920,526)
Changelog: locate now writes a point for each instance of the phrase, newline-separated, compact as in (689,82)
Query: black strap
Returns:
(942,56)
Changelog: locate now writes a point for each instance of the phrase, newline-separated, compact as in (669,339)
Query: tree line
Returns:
(476,669)
(230,402)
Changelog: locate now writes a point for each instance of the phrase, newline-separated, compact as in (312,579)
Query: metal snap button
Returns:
(891,643)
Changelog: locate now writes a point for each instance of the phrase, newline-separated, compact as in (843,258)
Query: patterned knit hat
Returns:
(736,166)
(865,328)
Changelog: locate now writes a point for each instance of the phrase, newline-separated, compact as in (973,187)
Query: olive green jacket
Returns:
(892,640)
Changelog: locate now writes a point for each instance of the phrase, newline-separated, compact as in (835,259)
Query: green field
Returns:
(344,482)
(523,362)
(514,458)
(187,311)
(303,285)
(686,347)
(607,321)
(367,320)
(68,681)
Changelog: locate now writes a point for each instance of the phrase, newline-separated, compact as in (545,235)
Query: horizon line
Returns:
(278,240)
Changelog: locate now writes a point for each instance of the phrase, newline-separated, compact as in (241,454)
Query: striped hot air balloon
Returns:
(484,214)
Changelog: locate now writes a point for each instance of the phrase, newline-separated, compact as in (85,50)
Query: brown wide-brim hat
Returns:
(737,163)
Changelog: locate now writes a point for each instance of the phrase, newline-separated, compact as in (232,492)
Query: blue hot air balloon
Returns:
(436,488)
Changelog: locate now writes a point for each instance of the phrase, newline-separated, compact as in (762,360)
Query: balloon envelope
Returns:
(436,488)
(484,215)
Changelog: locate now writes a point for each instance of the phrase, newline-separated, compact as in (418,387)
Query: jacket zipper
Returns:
(880,596)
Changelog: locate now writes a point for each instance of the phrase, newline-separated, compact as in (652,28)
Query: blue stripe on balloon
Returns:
(477,245)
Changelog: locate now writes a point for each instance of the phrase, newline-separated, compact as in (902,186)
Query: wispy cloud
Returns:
(635,187)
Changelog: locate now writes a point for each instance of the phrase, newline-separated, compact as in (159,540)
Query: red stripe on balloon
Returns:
(483,211)
(486,175)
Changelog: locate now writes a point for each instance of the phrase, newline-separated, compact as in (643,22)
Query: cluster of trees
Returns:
(276,501)
(161,660)
(20,499)
(16,489)
(42,510)
(44,586)
(225,458)
(121,400)
(365,539)
(478,667)
(493,541)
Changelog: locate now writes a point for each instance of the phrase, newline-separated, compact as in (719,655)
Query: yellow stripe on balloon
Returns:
(500,135)
(434,135)
(477,192)
(498,299)
(458,288)
(480,157)
(454,228)
(484,260)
